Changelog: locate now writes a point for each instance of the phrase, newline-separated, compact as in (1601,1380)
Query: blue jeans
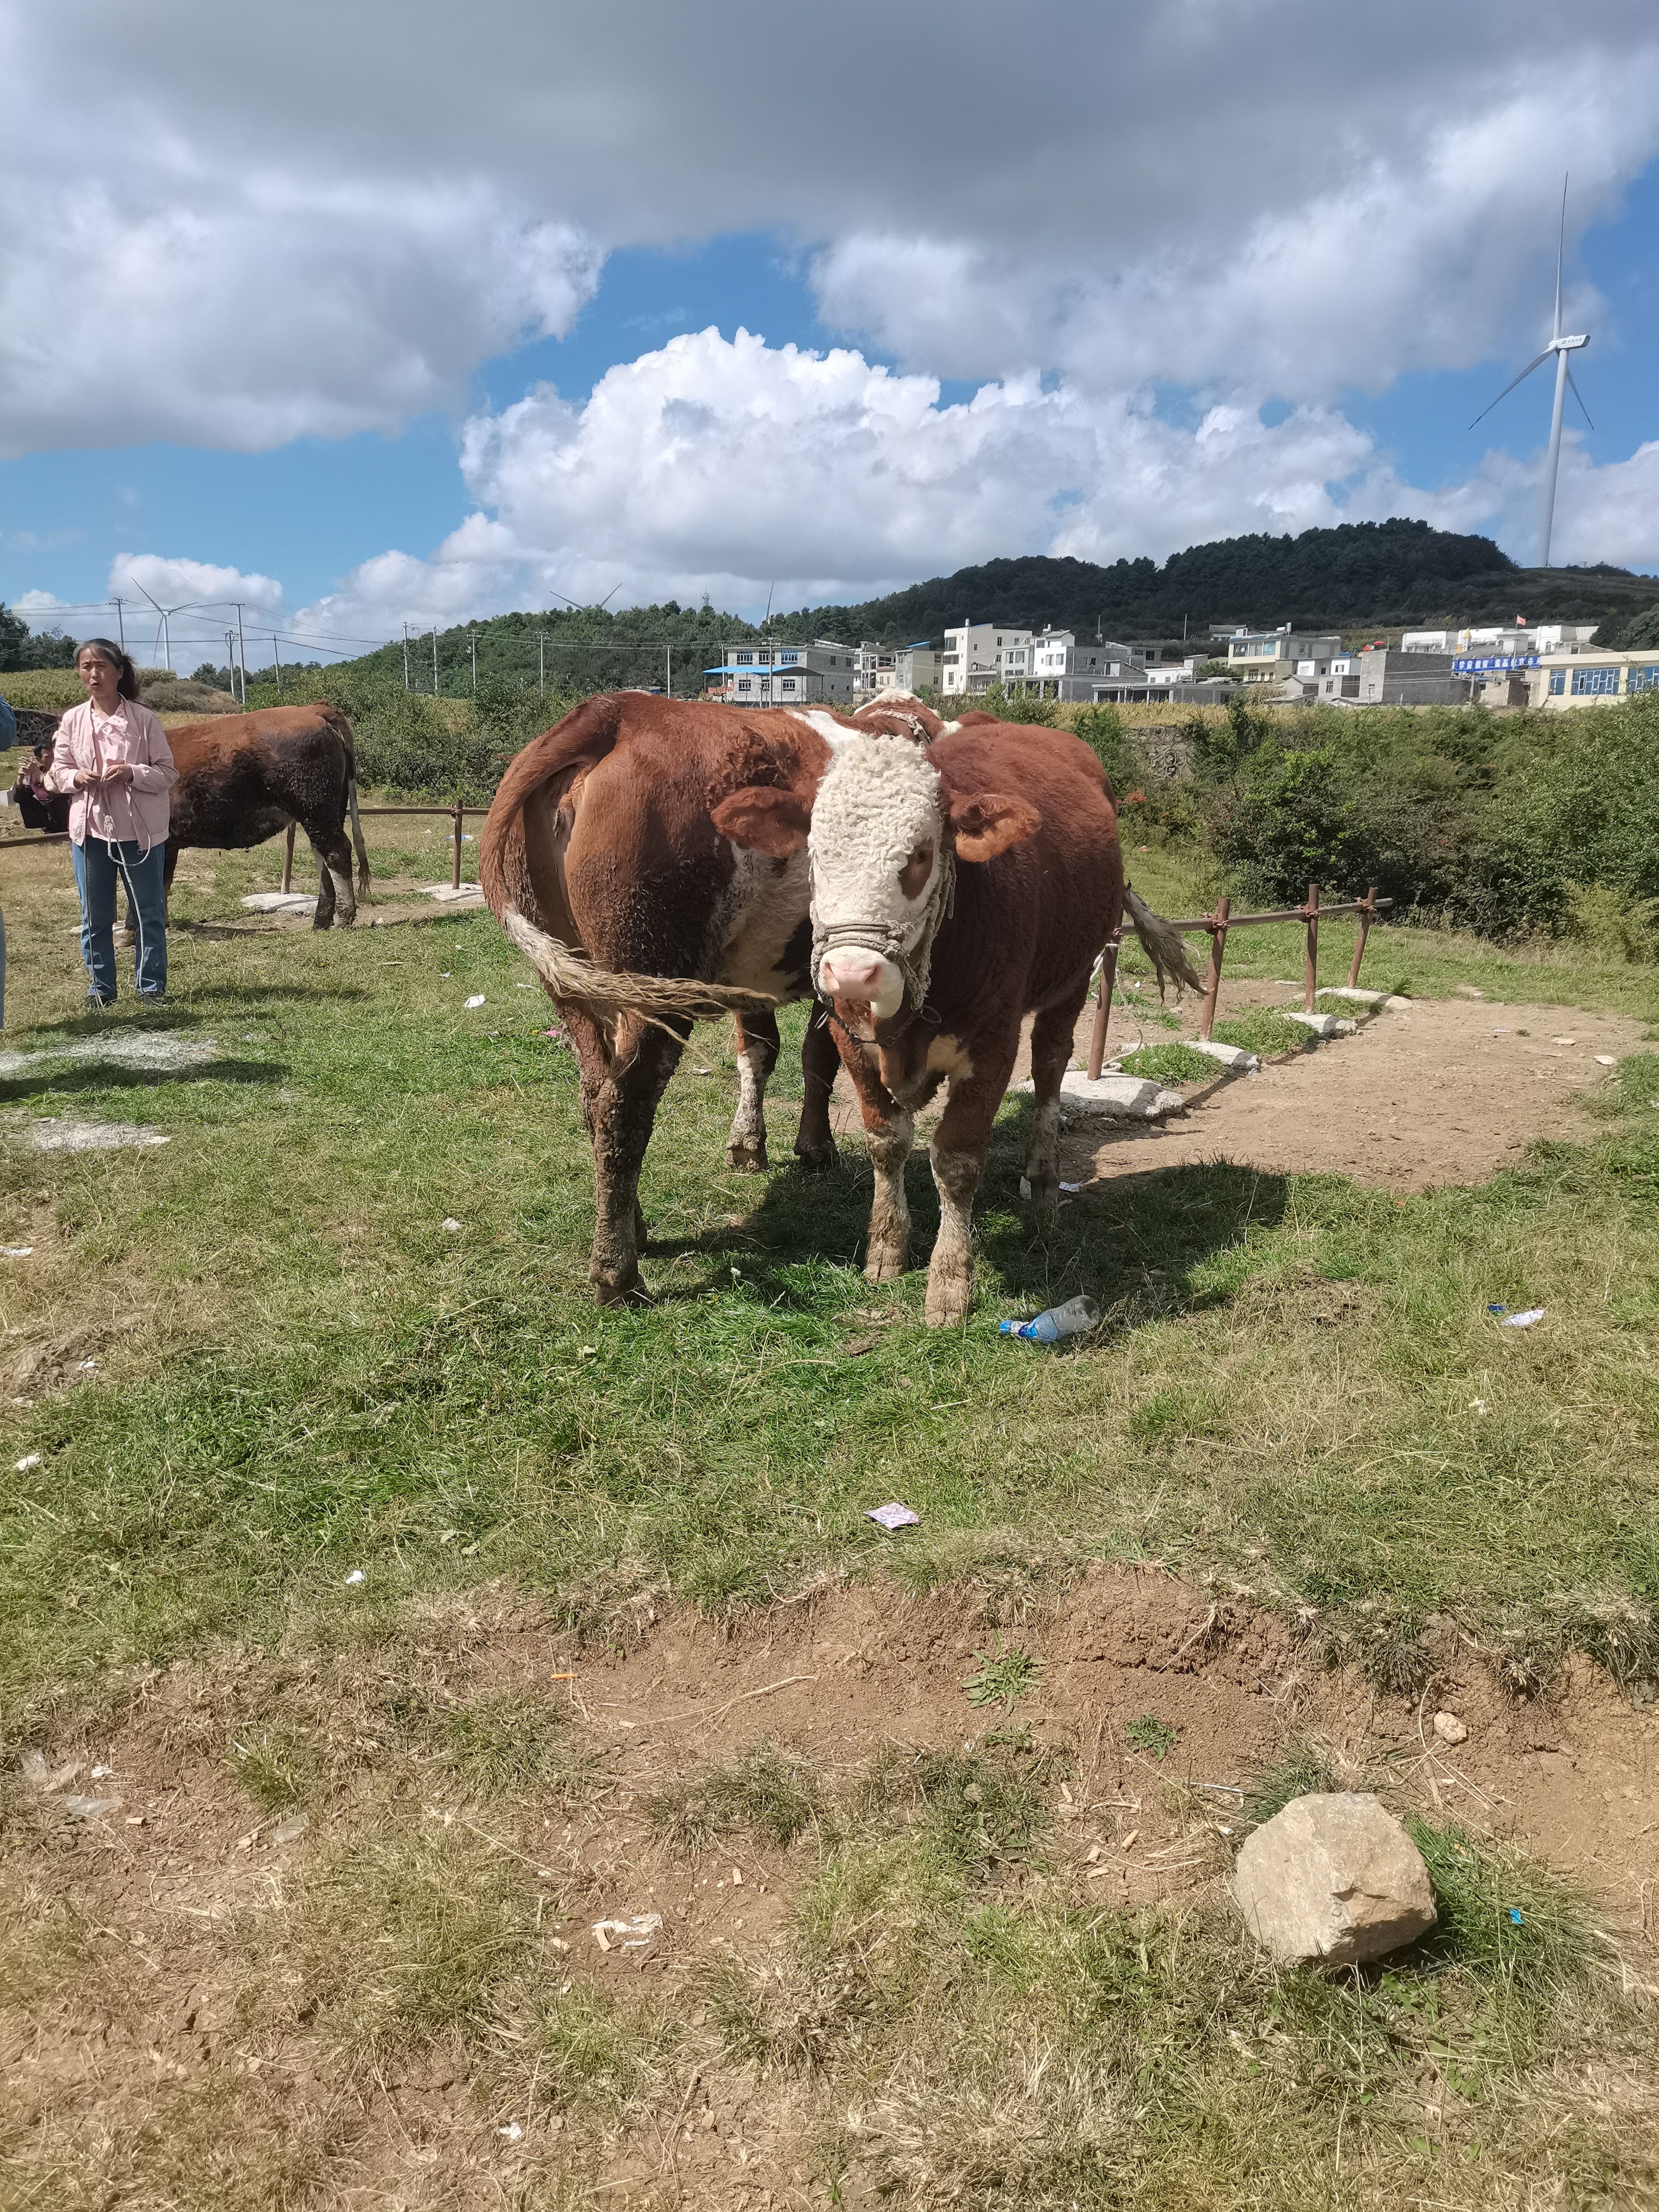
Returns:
(100,864)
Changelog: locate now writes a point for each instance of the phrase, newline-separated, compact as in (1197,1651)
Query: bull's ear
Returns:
(984,824)
(766,820)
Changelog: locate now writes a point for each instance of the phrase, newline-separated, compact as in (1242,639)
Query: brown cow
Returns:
(954,892)
(243,777)
(601,860)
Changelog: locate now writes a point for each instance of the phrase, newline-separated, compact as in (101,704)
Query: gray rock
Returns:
(1229,1055)
(1332,1880)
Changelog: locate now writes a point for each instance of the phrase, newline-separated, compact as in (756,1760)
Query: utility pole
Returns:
(541,648)
(276,655)
(406,656)
(472,646)
(230,659)
(668,651)
(241,651)
(434,661)
(120,626)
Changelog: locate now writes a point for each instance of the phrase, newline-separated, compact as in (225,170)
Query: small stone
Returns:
(1449,1729)
(1332,1880)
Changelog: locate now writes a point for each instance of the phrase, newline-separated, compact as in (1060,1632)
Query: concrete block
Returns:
(1229,1055)
(1332,1880)
(1322,1025)
(280,901)
(1121,1097)
(452,895)
(1355,997)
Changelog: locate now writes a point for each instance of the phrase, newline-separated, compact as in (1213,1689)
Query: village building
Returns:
(821,673)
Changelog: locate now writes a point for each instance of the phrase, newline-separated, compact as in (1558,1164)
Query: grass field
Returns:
(301,1371)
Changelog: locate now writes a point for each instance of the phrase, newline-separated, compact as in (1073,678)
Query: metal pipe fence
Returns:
(1216,924)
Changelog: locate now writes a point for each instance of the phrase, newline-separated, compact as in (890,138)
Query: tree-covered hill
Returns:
(1358,573)
(1350,578)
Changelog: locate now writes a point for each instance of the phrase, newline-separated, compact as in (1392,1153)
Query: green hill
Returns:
(1357,574)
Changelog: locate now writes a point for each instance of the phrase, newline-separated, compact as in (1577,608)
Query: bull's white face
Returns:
(878,832)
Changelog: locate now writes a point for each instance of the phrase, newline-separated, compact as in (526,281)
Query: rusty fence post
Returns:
(288,859)
(1367,915)
(455,871)
(1103,1010)
(1218,953)
(1310,966)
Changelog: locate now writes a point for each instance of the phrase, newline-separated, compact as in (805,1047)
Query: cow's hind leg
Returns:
(814,1142)
(757,1056)
(335,895)
(621,1091)
(958,1150)
(1051,1047)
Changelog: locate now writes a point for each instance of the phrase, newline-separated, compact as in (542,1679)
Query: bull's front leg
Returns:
(757,1056)
(814,1142)
(958,1153)
(888,1131)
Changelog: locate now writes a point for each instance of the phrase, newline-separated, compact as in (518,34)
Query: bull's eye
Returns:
(913,876)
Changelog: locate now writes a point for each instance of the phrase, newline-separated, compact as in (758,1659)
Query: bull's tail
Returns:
(604,993)
(357,835)
(1162,943)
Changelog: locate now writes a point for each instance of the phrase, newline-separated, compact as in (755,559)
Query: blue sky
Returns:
(317,370)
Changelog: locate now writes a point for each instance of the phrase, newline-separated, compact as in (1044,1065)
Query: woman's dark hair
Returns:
(126,676)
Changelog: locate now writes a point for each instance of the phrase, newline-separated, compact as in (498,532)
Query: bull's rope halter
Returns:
(915,966)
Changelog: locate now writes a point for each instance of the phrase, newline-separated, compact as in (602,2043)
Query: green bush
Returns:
(421,748)
(1526,825)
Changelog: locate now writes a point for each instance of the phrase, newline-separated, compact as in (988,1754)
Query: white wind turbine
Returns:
(1560,346)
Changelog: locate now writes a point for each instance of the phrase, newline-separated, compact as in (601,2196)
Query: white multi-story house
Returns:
(979,655)
(898,668)
(1264,656)
(785,675)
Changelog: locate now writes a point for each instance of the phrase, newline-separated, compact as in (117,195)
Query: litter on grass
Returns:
(356,1578)
(1522,1320)
(635,1933)
(511,2133)
(1074,1318)
(31,1459)
(450,1222)
(893,1516)
(476,1000)
(15,1251)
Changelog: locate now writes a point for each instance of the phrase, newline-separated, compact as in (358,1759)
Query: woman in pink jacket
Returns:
(112,757)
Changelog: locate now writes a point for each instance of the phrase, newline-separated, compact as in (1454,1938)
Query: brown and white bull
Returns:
(601,859)
(243,777)
(953,892)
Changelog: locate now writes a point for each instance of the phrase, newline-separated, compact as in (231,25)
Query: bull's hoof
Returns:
(949,1298)
(746,1158)
(817,1157)
(1042,1192)
(632,1292)
(884,1263)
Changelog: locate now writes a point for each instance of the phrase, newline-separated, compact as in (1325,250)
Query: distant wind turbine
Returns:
(1560,347)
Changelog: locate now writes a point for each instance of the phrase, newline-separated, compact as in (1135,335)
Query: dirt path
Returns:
(1447,1091)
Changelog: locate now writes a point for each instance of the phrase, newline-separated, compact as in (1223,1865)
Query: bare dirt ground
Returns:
(172,1878)
(1446,1091)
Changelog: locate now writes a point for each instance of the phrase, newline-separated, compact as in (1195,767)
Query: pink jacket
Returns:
(135,813)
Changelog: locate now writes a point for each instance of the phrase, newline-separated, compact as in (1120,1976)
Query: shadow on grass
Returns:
(76,1078)
(1134,1246)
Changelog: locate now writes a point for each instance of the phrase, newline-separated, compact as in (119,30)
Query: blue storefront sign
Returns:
(1501,663)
